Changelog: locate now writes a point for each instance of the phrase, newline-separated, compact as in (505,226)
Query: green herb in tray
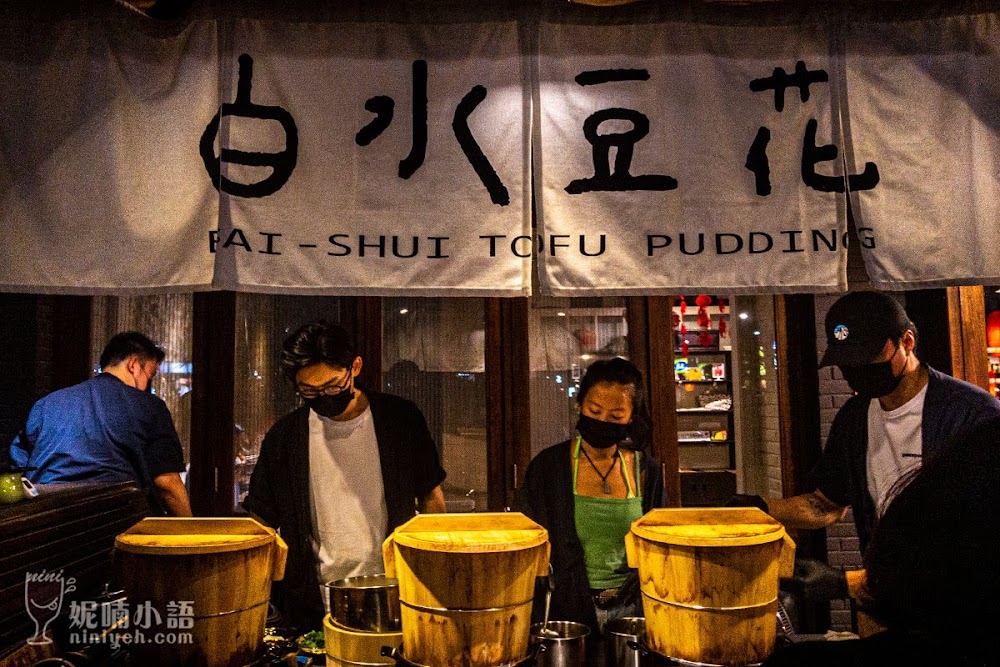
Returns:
(313,641)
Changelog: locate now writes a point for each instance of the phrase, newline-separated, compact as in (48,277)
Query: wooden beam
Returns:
(799,423)
(798,390)
(71,362)
(651,349)
(213,448)
(967,334)
(508,400)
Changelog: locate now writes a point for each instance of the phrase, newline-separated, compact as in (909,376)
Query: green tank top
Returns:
(601,525)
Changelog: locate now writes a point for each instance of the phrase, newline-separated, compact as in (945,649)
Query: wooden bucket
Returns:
(222,567)
(709,581)
(466,584)
(346,646)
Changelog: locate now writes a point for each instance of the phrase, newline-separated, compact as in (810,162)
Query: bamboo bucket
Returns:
(224,567)
(345,646)
(466,584)
(709,581)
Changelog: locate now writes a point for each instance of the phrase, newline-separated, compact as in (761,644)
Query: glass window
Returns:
(433,353)
(565,336)
(261,393)
(757,418)
(167,320)
(991,296)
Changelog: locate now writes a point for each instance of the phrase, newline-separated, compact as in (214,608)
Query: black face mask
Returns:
(331,406)
(601,434)
(872,380)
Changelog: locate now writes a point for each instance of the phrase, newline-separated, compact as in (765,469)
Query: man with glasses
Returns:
(109,429)
(338,474)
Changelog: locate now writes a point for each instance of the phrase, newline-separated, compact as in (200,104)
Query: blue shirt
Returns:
(101,430)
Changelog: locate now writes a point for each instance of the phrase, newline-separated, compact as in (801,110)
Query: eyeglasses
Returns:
(328,389)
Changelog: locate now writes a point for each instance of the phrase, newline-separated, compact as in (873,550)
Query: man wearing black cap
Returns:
(902,413)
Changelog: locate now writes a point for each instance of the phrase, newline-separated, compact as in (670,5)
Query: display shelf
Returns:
(707,464)
(704,441)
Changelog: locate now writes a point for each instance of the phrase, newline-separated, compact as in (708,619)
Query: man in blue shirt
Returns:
(109,429)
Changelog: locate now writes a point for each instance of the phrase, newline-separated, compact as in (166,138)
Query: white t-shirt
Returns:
(895,445)
(346,499)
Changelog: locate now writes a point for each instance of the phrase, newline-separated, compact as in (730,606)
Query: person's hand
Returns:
(815,581)
(629,591)
(745,500)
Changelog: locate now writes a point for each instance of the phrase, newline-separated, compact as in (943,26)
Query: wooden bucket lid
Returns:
(188,536)
(471,533)
(709,527)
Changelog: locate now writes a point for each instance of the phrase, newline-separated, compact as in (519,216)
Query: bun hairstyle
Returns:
(622,372)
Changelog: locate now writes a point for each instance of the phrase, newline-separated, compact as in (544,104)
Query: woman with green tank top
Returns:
(587,491)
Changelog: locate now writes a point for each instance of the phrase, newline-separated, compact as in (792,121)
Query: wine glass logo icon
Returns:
(43,599)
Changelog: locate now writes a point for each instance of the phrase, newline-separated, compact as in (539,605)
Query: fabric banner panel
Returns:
(924,102)
(702,157)
(371,159)
(102,188)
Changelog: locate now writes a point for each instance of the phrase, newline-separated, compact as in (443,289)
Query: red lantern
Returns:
(705,339)
(722,327)
(993,329)
(683,306)
(722,305)
(703,300)
(684,348)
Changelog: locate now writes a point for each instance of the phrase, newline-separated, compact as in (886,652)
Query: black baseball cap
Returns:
(858,325)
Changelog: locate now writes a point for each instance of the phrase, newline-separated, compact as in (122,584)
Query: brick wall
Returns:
(842,546)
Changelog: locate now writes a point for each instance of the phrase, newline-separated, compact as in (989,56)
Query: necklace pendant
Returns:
(606,487)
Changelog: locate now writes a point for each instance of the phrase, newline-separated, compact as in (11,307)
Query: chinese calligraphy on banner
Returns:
(687,157)
(387,158)
(371,159)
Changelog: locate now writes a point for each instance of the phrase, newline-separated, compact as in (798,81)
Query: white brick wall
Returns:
(841,538)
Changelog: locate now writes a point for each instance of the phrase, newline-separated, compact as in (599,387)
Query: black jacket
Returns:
(547,497)
(279,491)
(951,407)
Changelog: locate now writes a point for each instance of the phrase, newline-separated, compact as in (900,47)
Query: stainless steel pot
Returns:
(367,603)
(618,633)
(564,646)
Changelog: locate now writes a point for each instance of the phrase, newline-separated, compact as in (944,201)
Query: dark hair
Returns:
(621,371)
(316,343)
(933,565)
(124,345)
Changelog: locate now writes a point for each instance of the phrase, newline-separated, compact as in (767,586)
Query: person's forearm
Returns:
(857,581)
(173,494)
(809,510)
(432,503)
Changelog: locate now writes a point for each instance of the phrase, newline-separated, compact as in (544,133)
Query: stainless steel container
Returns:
(367,603)
(618,633)
(567,647)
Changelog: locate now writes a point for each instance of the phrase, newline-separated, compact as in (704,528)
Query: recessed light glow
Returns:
(403,311)
(744,316)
